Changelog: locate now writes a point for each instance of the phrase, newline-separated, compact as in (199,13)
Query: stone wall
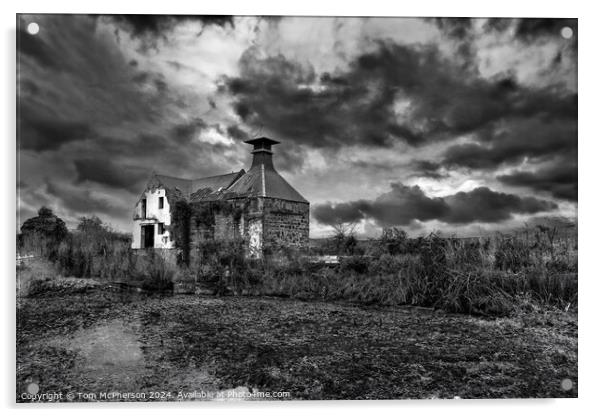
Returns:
(226,227)
(259,221)
(251,227)
(286,223)
(214,221)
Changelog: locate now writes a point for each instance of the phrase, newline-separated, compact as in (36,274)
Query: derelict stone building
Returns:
(259,207)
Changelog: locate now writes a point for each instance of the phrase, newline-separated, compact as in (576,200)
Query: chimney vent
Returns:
(262,152)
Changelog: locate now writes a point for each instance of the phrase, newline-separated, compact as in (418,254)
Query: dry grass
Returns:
(493,276)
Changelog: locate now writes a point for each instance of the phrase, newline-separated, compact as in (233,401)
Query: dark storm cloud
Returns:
(290,158)
(558,179)
(157,25)
(35,47)
(237,133)
(535,30)
(487,206)
(184,133)
(525,29)
(530,29)
(443,100)
(29,87)
(401,206)
(428,169)
(95,82)
(177,152)
(40,130)
(109,173)
(276,94)
(417,168)
(514,140)
(404,205)
(151,27)
(350,212)
(80,201)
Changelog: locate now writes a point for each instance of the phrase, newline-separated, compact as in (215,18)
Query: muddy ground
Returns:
(202,347)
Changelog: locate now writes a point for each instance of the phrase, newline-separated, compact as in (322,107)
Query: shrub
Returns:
(44,232)
(357,264)
(343,241)
(154,273)
(511,254)
(49,287)
(94,250)
(392,241)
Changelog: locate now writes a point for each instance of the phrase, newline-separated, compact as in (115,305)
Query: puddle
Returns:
(111,356)
(110,353)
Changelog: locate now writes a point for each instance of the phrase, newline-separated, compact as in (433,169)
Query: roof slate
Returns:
(265,182)
(196,189)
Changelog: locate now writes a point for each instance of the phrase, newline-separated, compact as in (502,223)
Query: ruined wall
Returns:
(226,227)
(260,222)
(252,225)
(286,223)
(154,216)
(214,221)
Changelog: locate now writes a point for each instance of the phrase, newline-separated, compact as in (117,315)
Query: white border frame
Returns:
(590,150)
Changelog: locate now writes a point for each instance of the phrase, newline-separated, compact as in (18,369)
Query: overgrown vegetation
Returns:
(497,275)
(42,234)
(202,217)
(491,276)
(180,230)
(93,250)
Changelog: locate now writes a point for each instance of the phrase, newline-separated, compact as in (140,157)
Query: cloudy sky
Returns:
(458,125)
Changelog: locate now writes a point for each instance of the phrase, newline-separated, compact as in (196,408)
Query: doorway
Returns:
(148,236)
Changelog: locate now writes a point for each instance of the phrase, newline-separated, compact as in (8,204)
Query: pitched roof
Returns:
(181,188)
(261,180)
(180,184)
(265,182)
(217,182)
